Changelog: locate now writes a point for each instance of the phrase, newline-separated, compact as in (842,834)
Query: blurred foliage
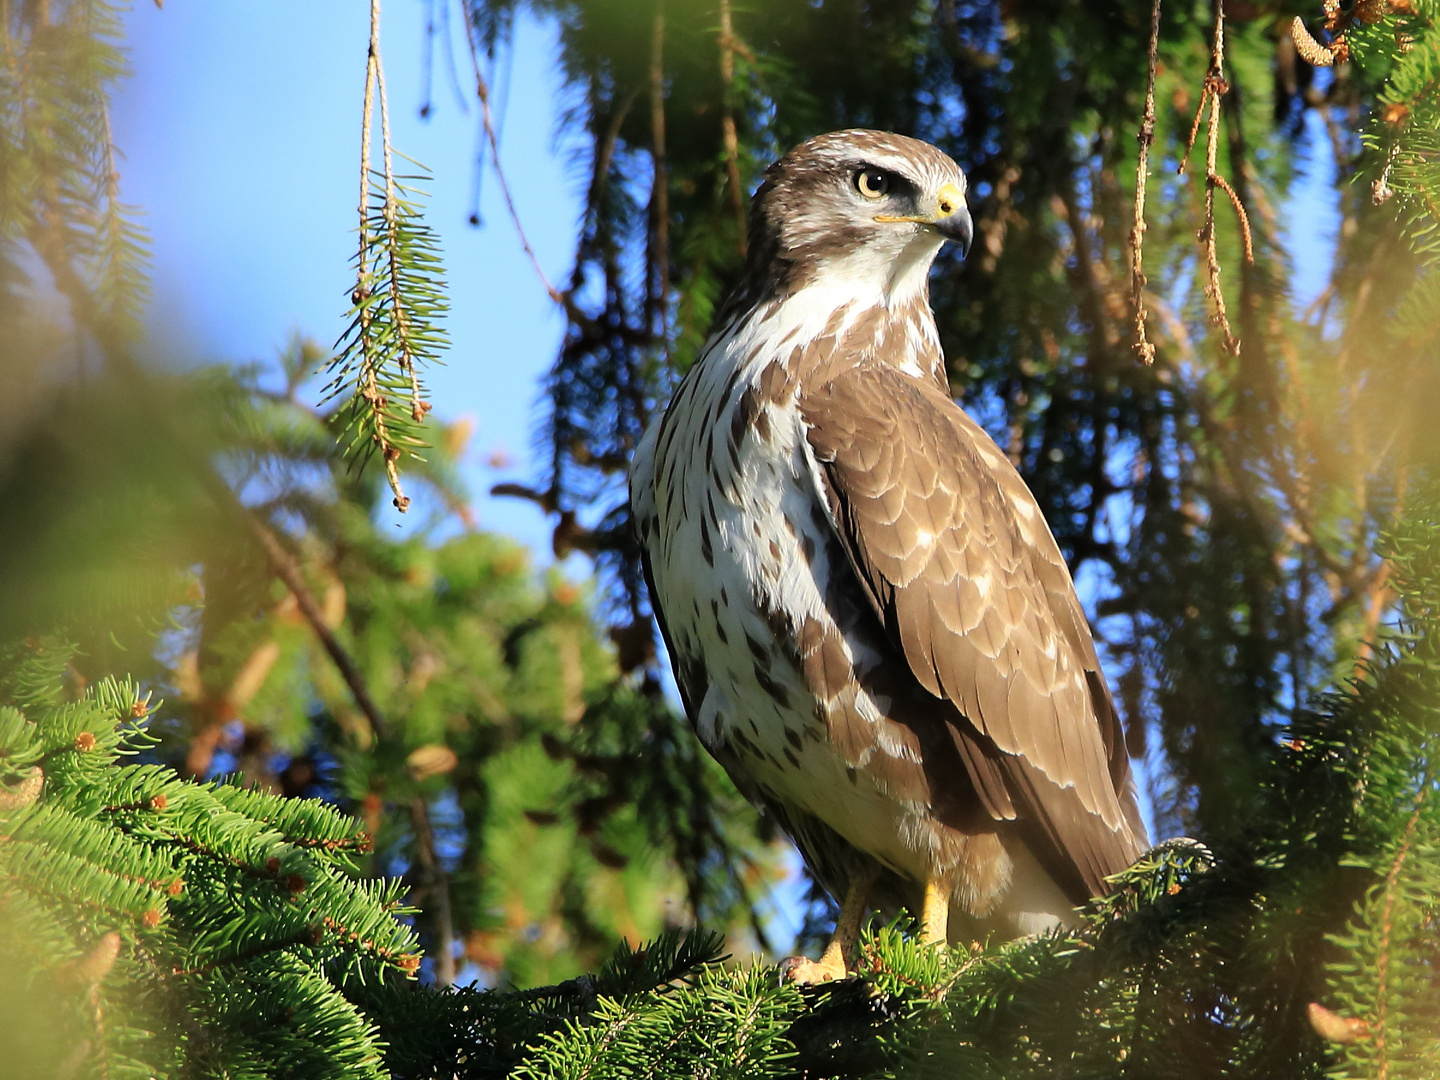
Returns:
(59,186)
(202,531)
(491,780)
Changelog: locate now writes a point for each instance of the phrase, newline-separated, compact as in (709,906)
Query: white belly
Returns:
(723,565)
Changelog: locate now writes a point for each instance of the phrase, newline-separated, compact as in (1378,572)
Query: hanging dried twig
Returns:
(371,392)
(1214,88)
(1143,348)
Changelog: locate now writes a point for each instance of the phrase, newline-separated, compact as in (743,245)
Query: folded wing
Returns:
(954,556)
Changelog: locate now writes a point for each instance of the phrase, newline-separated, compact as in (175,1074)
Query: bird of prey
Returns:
(871,626)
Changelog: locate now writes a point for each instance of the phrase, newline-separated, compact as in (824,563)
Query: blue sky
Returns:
(240,131)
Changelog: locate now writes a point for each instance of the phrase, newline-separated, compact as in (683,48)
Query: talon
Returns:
(803,971)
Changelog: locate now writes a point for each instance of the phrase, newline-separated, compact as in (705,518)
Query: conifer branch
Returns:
(398,303)
(1402,40)
(244,966)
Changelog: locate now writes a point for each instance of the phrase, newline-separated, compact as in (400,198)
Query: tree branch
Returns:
(288,571)
(727,124)
(658,278)
(439,881)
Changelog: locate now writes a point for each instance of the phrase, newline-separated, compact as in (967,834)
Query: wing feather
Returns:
(956,561)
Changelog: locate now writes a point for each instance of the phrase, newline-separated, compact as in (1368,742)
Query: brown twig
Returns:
(439,882)
(288,571)
(1194,128)
(1214,88)
(727,122)
(487,120)
(1224,185)
(1207,231)
(1146,135)
(659,300)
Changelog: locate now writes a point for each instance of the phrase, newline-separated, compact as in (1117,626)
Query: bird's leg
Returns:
(935,913)
(832,963)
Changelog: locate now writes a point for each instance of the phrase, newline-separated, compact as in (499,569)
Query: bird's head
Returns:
(863,210)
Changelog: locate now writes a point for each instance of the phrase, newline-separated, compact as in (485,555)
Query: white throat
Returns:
(876,275)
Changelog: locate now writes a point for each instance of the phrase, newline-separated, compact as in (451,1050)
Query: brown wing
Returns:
(953,553)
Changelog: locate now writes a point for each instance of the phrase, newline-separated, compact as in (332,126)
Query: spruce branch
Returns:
(166,926)
(59,178)
(1402,43)
(398,304)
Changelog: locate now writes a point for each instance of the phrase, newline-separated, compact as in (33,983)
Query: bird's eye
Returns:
(872,183)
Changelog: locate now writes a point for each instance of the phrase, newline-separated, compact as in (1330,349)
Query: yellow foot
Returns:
(831,966)
(935,916)
(806,972)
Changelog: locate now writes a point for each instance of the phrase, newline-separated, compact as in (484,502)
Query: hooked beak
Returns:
(950,217)
(957,227)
